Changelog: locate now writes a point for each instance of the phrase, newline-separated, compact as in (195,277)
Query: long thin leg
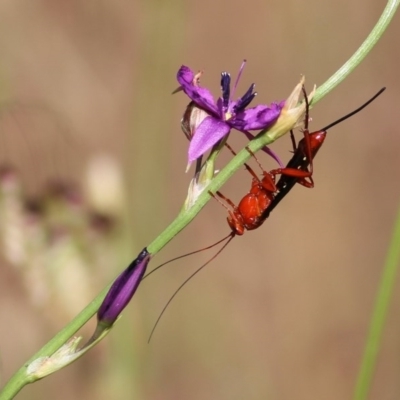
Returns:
(219,195)
(306,146)
(306,133)
(293,139)
(253,174)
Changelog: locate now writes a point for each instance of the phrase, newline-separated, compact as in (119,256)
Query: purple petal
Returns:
(259,117)
(209,132)
(123,288)
(201,96)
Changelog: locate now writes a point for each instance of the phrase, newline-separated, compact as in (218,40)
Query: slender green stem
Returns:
(360,54)
(385,292)
(20,379)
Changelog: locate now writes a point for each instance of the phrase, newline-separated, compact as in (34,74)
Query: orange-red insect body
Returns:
(247,215)
(265,194)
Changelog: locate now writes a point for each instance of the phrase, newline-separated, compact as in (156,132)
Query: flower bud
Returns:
(122,290)
(292,112)
(200,181)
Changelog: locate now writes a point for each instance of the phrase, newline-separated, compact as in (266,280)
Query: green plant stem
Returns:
(379,315)
(20,379)
(361,52)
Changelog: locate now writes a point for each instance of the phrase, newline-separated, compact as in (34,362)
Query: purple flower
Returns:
(122,290)
(224,114)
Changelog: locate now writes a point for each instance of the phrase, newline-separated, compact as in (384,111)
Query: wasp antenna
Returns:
(355,111)
(230,236)
(188,254)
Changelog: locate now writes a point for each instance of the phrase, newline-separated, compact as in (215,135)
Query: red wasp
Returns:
(299,160)
(264,194)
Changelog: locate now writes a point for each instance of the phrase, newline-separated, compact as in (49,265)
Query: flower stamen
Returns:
(226,90)
(196,79)
(245,100)
(238,77)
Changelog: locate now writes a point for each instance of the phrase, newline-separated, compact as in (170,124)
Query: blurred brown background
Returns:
(283,312)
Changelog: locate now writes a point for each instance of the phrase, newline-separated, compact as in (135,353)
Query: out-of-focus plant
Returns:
(56,239)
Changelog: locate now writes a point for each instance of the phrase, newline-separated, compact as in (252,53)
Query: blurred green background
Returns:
(283,313)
